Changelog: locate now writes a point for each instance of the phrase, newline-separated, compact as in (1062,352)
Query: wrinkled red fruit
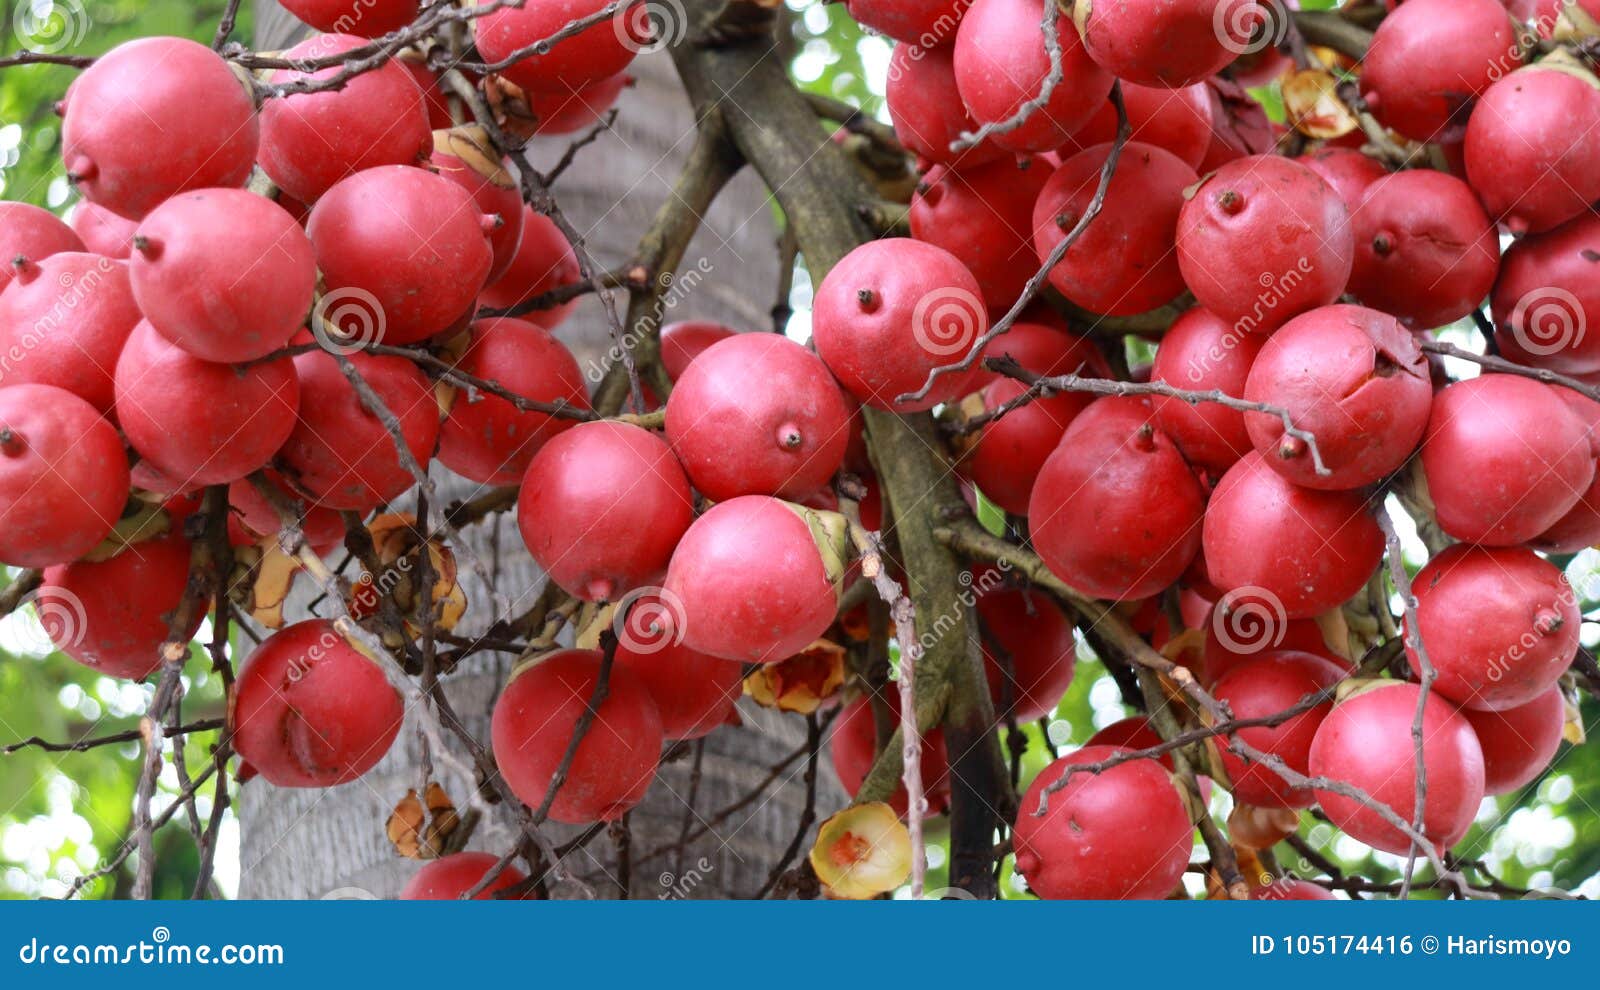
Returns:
(983,214)
(102,231)
(312,710)
(1004,457)
(1366,742)
(735,603)
(1169,44)
(1267,685)
(1002,64)
(1430,59)
(686,340)
(1118,835)
(694,692)
(591,55)
(112,615)
(853,744)
(484,437)
(602,507)
(544,262)
(786,438)
(534,721)
(1304,550)
(889,313)
(340,454)
(29,233)
(1500,625)
(252,518)
(1347,171)
(366,18)
(1546,302)
(1505,458)
(1533,147)
(309,141)
(63,322)
(405,242)
(1580,527)
(1519,743)
(926,108)
(152,118)
(449,877)
(1264,239)
(1174,120)
(1353,378)
(223,273)
(1200,353)
(63,476)
(492,185)
(1239,125)
(1116,510)
(1029,652)
(926,22)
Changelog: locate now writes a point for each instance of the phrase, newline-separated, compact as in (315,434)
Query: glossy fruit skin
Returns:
(853,746)
(1310,550)
(1171,44)
(1255,633)
(695,693)
(68,315)
(566,111)
(225,274)
(1198,353)
(494,196)
(1366,742)
(152,118)
(63,476)
(365,18)
(447,878)
(786,438)
(1175,120)
(311,710)
(685,340)
(339,454)
(1430,59)
(1519,743)
(112,615)
(102,231)
(926,107)
(310,141)
(533,723)
(982,214)
(1500,625)
(1123,262)
(392,233)
(1264,239)
(1580,527)
(489,440)
(1533,150)
(1271,683)
(1352,377)
(1505,458)
(198,422)
(890,312)
(737,603)
(1347,171)
(1029,651)
(1001,63)
(595,53)
(29,232)
(602,506)
(1425,250)
(1116,510)
(1547,297)
(925,22)
(1006,454)
(544,261)
(1119,835)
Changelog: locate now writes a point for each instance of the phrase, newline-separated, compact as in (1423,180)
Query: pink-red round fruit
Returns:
(491,183)
(564,111)
(1004,457)
(1170,44)
(926,22)
(102,231)
(1274,682)
(1246,627)
(30,233)
(1174,120)
(544,262)
(982,214)
(1347,171)
(1131,733)
(685,340)
(602,507)
(1201,353)
(694,692)
(926,107)
(253,518)
(594,53)
(63,476)
(853,744)
(449,877)
(1546,302)
(1029,652)
(1519,743)
(366,18)
(533,724)
(1580,527)
(67,316)
(1533,147)
(1429,60)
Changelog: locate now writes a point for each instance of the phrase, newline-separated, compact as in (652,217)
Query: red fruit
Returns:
(1500,625)
(1290,889)
(602,506)
(1029,652)
(1170,44)
(1580,527)
(340,454)
(1116,510)
(1547,298)
(63,322)
(492,185)
(925,22)
(27,232)
(982,214)
(694,692)
(1001,64)
(1347,171)
(786,438)
(1118,835)
(1519,743)
(926,108)
(1130,733)
(1043,344)
(366,18)
(223,273)
(889,313)
(102,231)
(1430,59)
(1533,147)
(685,340)
(853,743)
(487,439)
(735,603)
(1200,353)
(1175,120)
(591,55)
(152,118)
(534,721)
(1264,239)
(112,614)
(1267,685)
(407,242)
(544,261)
(202,423)
(1366,742)
(312,709)
(1505,458)
(449,877)
(1304,551)
(1005,455)
(1246,627)
(1353,378)
(63,476)
(433,92)
(251,518)
(566,111)
(1123,263)
(309,141)
(1239,125)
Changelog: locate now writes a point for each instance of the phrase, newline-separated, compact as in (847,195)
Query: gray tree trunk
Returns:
(308,844)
